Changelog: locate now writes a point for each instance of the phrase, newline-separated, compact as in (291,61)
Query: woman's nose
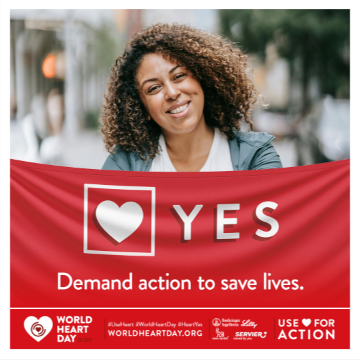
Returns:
(171,92)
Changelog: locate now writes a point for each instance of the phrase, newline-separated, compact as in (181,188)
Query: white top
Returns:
(219,158)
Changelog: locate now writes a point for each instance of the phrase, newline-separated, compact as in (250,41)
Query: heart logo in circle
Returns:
(119,222)
(306,322)
(38,328)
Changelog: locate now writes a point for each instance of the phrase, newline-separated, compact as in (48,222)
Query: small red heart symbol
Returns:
(38,328)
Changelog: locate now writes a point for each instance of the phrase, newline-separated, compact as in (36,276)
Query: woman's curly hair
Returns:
(219,66)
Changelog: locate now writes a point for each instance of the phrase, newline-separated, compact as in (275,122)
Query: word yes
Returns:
(221,221)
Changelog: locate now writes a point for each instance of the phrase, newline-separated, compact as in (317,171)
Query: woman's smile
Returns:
(178,110)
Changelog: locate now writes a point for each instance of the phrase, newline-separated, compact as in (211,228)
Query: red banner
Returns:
(262,239)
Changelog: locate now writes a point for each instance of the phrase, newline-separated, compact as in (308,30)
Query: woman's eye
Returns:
(152,89)
(178,76)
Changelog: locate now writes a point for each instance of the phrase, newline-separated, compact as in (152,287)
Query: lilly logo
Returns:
(38,328)
(119,220)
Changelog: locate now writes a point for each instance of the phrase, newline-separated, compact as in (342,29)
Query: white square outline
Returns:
(103,252)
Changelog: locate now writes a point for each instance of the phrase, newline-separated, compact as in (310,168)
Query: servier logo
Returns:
(119,220)
(250,334)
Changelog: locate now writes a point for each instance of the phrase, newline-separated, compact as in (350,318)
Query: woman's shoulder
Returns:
(252,138)
(253,151)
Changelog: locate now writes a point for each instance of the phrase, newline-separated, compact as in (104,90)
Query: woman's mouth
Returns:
(180,111)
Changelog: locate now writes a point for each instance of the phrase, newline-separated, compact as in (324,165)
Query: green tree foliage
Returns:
(320,39)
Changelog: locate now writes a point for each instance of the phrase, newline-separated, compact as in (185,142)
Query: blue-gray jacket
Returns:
(249,151)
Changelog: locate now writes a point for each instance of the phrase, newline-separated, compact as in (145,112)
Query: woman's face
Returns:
(171,95)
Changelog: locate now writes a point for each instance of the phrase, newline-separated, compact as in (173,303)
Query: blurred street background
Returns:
(61,60)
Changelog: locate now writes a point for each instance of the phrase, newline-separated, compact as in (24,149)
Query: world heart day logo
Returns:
(119,220)
(38,328)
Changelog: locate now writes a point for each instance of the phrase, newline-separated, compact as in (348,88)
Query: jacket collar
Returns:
(244,146)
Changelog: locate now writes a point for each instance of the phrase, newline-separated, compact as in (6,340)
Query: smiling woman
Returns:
(175,102)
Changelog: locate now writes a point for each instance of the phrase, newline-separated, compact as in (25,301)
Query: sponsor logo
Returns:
(239,329)
(216,322)
(249,335)
(220,334)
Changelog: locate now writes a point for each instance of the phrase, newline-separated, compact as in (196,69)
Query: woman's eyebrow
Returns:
(155,79)
(173,69)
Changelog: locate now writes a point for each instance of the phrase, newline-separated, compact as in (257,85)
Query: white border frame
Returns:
(276,354)
(115,187)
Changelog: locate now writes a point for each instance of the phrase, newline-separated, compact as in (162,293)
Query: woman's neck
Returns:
(189,152)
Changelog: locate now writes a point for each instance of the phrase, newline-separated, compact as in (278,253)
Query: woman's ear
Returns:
(148,118)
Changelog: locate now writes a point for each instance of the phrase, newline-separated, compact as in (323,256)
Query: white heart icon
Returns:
(119,222)
(38,328)
(306,322)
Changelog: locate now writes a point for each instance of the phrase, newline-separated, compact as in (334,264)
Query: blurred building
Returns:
(58,80)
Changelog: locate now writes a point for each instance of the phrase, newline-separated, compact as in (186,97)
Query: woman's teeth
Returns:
(179,109)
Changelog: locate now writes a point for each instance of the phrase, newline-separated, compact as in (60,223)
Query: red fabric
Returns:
(312,244)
